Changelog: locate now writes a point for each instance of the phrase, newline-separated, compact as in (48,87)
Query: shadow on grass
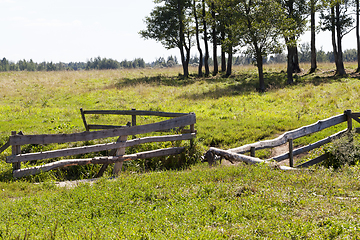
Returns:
(159,80)
(238,84)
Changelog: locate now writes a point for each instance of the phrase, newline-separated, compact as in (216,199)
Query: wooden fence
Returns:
(178,122)
(237,154)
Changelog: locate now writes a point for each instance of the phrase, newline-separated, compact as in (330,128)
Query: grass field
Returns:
(243,202)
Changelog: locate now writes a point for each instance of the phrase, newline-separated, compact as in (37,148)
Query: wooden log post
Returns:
(291,154)
(349,119)
(119,152)
(252,151)
(133,121)
(16,149)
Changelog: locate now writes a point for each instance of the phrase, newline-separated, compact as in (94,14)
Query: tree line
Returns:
(256,28)
(94,63)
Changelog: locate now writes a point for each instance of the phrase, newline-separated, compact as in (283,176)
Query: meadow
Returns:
(223,202)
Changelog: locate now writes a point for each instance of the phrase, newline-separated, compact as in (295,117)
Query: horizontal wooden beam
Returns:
(87,136)
(294,134)
(314,161)
(5,146)
(97,160)
(94,126)
(135,112)
(310,146)
(96,148)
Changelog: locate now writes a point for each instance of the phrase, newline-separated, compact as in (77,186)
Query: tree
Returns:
(229,15)
(336,20)
(170,24)
(357,34)
(260,30)
(314,6)
(200,73)
(293,26)
(206,58)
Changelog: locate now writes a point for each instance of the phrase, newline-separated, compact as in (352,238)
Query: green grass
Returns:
(242,202)
(229,111)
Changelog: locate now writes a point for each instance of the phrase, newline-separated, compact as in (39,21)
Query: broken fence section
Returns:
(237,154)
(179,121)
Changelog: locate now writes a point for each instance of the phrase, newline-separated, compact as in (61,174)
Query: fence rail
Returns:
(236,154)
(179,120)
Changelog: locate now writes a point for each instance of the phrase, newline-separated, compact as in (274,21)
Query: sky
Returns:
(77,30)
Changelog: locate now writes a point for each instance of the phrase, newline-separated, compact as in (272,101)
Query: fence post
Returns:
(84,119)
(349,119)
(119,152)
(252,151)
(133,121)
(16,149)
(291,156)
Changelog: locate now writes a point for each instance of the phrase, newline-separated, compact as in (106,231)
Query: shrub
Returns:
(343,151)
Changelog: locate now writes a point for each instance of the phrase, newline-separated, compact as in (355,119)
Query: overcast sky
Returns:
(77,30)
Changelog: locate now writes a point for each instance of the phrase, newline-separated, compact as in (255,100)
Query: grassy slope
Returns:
(224,202)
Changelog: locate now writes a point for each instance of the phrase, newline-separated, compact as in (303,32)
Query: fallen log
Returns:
(230,156)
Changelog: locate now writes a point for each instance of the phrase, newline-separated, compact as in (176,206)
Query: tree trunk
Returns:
(296,61)
(341,68)
(200,73)
(313,40)
(259,63)
(358,35)
(290,65)
(216,67)
(229,63)
(206,60)
(333,38)
(182,44)
(223,56)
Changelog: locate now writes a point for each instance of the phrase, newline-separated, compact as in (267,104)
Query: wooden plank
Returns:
(356,118)
(243,158)
(98,160)
(309,147)
(314,161)
(94,126)
(5,146)
(96,148)
(135,112)
(294,134)
(87,136)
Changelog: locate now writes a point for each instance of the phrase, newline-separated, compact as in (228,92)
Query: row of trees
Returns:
(256,28)
(96,63)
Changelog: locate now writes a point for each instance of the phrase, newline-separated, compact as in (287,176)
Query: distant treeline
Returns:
(96,63)
(108,63)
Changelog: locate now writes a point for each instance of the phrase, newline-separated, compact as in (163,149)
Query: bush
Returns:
(343,151)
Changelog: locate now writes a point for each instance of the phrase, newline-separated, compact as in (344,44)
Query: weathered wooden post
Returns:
(349,119)
(252,151)
(133,120)
(16,149)
(291,156)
